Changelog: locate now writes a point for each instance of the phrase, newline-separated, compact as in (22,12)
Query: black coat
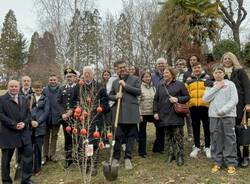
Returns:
(39,113)
(67,98)
(240,79)
(164,107)
(98,94)
(12,113)
(54,113)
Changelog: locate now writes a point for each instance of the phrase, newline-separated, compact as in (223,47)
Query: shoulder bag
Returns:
(180,109)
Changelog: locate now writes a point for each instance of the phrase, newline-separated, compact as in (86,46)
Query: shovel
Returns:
(110,170)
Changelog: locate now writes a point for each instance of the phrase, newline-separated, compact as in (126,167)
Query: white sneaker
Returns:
(195,152)
(128,164)
(115,162)
(207,152)
(123,147)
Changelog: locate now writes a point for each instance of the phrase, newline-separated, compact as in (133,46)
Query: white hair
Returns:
(88,68)
(161,59)
(26,77)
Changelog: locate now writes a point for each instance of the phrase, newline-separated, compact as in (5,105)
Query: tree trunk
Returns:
(236,34)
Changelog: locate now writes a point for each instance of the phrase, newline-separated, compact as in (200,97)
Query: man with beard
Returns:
(129,112)
(53,124)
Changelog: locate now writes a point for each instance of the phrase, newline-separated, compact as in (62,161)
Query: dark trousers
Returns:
(37,150)
(129,133)
(50,141)
(198,114)
(25,153)
(188,122)
(175,136)
(143,133)
(245,151)
(160,138)
(67,143)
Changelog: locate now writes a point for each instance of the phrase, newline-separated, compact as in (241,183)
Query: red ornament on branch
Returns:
(109,136)
(96,135)
(99,109)
(75,131)
(83,132)
(68,129)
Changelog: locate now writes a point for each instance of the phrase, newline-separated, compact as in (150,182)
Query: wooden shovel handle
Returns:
(118,108)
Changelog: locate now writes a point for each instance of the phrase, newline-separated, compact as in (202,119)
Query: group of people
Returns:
(31,116)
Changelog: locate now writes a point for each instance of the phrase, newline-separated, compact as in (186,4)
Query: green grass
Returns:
(2,92)
(152,170)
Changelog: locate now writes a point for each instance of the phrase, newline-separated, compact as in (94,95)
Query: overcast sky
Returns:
(27,23)
(26,16)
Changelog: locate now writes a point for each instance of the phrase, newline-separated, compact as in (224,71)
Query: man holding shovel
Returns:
(129,112)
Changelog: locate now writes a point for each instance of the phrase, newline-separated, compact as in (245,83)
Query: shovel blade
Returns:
(110,171)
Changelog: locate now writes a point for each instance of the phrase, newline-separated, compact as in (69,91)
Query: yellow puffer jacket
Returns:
(196,88)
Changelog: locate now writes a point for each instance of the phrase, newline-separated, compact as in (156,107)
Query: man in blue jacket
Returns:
(53,124)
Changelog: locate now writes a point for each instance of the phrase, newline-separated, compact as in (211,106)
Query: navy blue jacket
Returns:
(39,113)
(54,113)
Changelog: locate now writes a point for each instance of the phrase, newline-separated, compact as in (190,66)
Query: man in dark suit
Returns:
(15,133)
(129,112)
(67,100)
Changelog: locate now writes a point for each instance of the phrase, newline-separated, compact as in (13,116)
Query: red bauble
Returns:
(96,135)
(78,110)
(68,129)
(109,136)
(75,131)
(99,109)
(83,132)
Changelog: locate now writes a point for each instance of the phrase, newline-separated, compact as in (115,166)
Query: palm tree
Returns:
(185,21)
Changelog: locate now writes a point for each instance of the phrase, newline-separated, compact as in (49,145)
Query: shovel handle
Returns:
(118,108)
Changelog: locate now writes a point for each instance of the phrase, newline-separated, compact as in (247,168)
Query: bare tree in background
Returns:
(55,16)
(141,14)
(108,34)
(233,14)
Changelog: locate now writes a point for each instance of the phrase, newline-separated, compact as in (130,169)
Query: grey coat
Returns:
(129,110)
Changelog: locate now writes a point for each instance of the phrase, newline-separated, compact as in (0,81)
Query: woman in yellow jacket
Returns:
(196,85)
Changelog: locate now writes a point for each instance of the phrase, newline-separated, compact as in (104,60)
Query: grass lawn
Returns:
(152,170)
(2,92)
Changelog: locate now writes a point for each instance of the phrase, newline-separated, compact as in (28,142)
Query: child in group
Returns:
(223,99)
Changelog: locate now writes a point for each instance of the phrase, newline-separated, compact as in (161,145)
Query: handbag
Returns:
(180,109)
(243,131)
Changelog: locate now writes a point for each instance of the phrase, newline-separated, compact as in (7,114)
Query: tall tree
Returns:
(73,44)
(91,40)
(123,44)
(42,59)
(108,32)
(181,22)
(53,15)
(141,14)
(233,14)
(12,46)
